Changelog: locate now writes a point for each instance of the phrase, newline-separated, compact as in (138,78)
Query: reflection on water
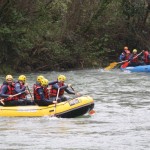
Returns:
(121,120)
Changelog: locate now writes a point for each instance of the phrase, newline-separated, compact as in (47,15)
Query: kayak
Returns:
(69,109)
(145,68)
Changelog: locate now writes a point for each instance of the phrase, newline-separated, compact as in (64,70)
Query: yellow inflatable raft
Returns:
(68,109)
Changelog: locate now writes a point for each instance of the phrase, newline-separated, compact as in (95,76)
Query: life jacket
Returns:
(46,92)
(127,57)
(146,57)
(21,96)
(53,92)
(10,91)
(135,58)
(35,93)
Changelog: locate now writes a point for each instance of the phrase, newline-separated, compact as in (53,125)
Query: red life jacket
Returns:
(10,91)
(46,92)
(127,54)
(21,96)
(53,92)
(146,54)
(36,94)
(127,57)
(135,59)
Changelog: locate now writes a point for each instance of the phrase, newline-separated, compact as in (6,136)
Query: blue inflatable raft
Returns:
(145,68)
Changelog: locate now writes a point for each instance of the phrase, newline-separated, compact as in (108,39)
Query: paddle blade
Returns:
(2,101)
(125,65)
(91,112)
(111,66)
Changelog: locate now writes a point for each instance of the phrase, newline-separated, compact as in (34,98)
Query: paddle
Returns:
(5,99)
(127,63)
(56,101)
(113,64)
(72,88)
(30,92)
(76,93)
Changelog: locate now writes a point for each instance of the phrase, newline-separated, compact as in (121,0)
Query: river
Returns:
(121,121)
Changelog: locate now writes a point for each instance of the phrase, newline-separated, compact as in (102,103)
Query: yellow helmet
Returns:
(61,78)
(39,78)
(9,77)
(44,82)
(22,78)
(135,51)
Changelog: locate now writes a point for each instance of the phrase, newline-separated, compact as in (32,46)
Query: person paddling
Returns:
(135,58)
(146,57)
(20,86)
(41,96)
(7,93)
(62,88)
(125,55)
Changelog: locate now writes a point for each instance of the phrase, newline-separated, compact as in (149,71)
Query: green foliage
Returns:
(53,34)
(5,69)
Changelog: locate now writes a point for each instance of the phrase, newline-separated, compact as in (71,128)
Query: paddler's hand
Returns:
(26,92)
(49,88)
(77,94)
(2,101)
(10,96)
(69,85)
(54,102)
(32,98)
(26,84)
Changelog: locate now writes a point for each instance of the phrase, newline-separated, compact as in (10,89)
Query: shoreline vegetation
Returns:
(40,35)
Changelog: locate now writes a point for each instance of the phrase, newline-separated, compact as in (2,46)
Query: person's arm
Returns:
(18,89)
(122,57)
(55,86)
(69,92)
(53,82)
(65,87)
(41,93)
(3,91)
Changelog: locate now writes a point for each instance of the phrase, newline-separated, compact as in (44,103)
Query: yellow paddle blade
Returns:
(111,66)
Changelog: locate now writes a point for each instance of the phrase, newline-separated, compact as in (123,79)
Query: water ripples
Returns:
(121,120)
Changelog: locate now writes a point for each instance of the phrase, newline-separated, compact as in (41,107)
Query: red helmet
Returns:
(127,51)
